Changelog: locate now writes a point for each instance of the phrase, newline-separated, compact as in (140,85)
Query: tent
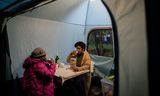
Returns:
(130,37)
(56,32)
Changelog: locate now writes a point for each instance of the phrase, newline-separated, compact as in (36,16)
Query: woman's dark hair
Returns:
(81,44)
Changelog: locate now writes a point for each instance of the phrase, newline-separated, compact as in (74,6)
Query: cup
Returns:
(50,60)
(61,65)
(73,59)
(74,53)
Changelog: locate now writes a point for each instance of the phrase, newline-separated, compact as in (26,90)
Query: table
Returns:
(65,73)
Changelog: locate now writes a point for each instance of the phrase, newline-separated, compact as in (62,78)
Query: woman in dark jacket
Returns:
(38,75)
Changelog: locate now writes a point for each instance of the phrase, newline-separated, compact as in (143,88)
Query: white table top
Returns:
(66,73)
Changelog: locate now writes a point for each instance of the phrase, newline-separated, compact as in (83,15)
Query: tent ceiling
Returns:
(5,3)
(12,7)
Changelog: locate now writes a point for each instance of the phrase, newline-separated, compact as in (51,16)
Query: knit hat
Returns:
(38,52)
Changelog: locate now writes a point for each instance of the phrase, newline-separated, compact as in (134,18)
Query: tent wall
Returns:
(130,19)
(27,33)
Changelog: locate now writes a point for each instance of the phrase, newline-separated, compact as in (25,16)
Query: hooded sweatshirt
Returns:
(38,77)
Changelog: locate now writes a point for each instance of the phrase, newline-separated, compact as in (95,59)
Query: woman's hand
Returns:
(51,61)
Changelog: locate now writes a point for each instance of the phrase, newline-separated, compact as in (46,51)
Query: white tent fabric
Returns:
(97,14)
(68,11)
(54,27)
(130,19)
(81,12)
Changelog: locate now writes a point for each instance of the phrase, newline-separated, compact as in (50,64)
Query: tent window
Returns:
(100,42)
